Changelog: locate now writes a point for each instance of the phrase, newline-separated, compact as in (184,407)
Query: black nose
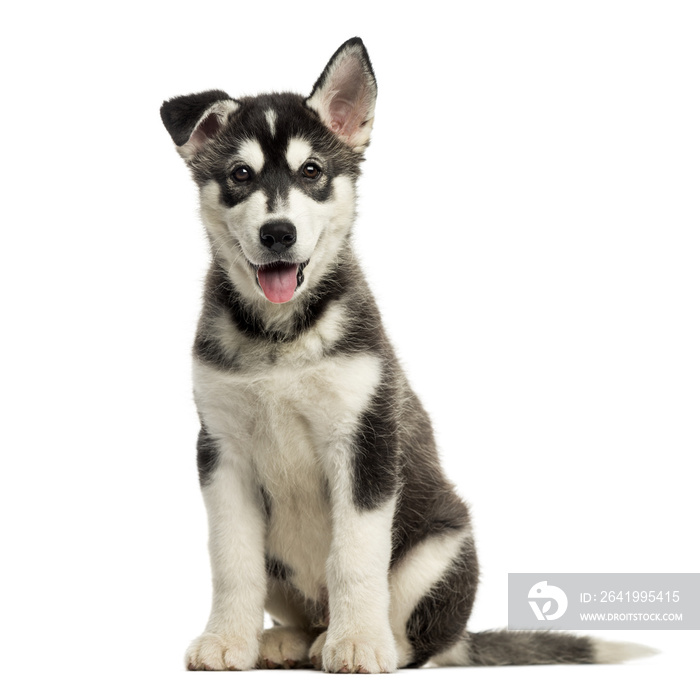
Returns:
(278,236)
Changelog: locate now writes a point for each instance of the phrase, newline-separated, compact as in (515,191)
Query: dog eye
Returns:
(242,174)
(311,170)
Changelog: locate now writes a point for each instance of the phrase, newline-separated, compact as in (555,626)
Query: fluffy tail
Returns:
(498,648)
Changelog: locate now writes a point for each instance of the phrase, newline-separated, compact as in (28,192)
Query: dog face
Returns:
(277,174)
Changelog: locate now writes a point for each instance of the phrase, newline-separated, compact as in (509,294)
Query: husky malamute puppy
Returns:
(326,502)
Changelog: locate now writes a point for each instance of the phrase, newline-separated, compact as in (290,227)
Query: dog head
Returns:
(277,173)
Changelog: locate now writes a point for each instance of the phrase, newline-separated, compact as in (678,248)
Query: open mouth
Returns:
(279,280)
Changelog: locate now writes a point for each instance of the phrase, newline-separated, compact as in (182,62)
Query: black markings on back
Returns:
(427,502)
(363,330)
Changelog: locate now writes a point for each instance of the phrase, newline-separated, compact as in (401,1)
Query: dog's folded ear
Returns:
(193,120)
(345,94)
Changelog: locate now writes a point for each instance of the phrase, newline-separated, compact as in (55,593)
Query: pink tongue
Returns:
(278,281)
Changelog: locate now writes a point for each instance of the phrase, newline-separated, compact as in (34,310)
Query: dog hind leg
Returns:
(432,592)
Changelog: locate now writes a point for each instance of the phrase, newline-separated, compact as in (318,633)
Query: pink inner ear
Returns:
(341,120)
(350,99)
(208,128)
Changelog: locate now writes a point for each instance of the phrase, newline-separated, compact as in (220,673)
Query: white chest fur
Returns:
(285,420)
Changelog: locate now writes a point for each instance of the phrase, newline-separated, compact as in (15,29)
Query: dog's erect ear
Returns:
(345,94)
(193,120)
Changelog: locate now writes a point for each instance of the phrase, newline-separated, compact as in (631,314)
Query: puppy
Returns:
(326,501)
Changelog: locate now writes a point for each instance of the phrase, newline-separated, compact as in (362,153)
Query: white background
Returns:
(529,221)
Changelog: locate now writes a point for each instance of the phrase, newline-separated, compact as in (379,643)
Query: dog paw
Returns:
(214,652)
(359,655)
(284,647)
(316,651)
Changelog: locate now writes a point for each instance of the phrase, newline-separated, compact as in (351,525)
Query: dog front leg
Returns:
(359,637)
(236,547)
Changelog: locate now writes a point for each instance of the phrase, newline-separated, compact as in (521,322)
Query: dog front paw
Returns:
(316,650)
(215,652)
(362,655)
(284,647)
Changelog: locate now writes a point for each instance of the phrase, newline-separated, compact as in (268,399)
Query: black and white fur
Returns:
(326,502)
